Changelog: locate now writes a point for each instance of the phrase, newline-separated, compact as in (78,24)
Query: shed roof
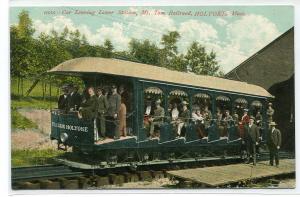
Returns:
(149,72)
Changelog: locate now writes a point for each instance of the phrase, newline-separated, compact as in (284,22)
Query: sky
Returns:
(234,32)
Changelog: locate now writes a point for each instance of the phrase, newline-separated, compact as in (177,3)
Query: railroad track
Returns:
(64,177)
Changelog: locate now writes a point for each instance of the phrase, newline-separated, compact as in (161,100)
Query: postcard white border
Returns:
(5,98)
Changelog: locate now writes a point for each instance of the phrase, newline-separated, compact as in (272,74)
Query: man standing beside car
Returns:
(252,137)
(274,143)
(114,103)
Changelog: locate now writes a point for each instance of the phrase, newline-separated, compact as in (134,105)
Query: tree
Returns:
(107,49)
(200,62)
(22,48)
(169,50)
(144,51)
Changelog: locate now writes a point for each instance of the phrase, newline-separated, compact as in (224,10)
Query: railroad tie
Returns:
(145,176)
(28,185)
(116,179)
(157,174)
(130,177)
(101,181)
(49,184)
(83,182)
(69,183)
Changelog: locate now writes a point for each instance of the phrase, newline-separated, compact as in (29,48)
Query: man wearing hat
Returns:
(158,117)
(227,123)
(274,143)
(252,138)
(63,99)
(114,103)
(74,97)
(102,105)
(184,118)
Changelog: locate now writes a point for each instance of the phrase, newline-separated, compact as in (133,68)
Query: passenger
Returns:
(235,118)
(170,106)
(198,119)
(101,111)
(227,123)
(220,124)
(74,98)
(244,122)
(157,119)
(114,103)
(207,119)
(88,109)
(63,99)
(148,112)
(252,137)
(123,109)
(174,112)
(183,119)
(258,118)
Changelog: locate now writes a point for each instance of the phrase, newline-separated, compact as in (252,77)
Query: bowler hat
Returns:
(272,124)
(252,117)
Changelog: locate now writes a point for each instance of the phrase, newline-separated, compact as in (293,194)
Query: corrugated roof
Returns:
(149,72)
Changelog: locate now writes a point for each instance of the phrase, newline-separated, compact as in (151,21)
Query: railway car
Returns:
(147,84)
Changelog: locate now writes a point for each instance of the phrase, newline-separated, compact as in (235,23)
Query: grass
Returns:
(31,157)
(21,122)
(35,99)
(37,90)
(29,102)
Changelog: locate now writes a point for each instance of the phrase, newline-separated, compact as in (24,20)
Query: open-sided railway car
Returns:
(146,82)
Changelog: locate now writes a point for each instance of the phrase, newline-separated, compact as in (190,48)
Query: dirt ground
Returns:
(33,138)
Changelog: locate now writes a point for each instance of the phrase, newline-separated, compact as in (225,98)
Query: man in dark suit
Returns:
(252,138)
(274,143)
(101,110)
(63,99)
(114,103)
(74,98)
(88,109)
(157,119)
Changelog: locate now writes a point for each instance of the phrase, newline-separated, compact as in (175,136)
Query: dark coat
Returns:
(159,114)
(63,102)
(252,134)
(114,103)
(89,108)
(102,104)
(185,116)
(274,138)
(74,99)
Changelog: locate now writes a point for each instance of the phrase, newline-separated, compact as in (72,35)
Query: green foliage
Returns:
(31,57)
(144,51)
(200,62)
(31,157)
(169,50)
(20,122)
